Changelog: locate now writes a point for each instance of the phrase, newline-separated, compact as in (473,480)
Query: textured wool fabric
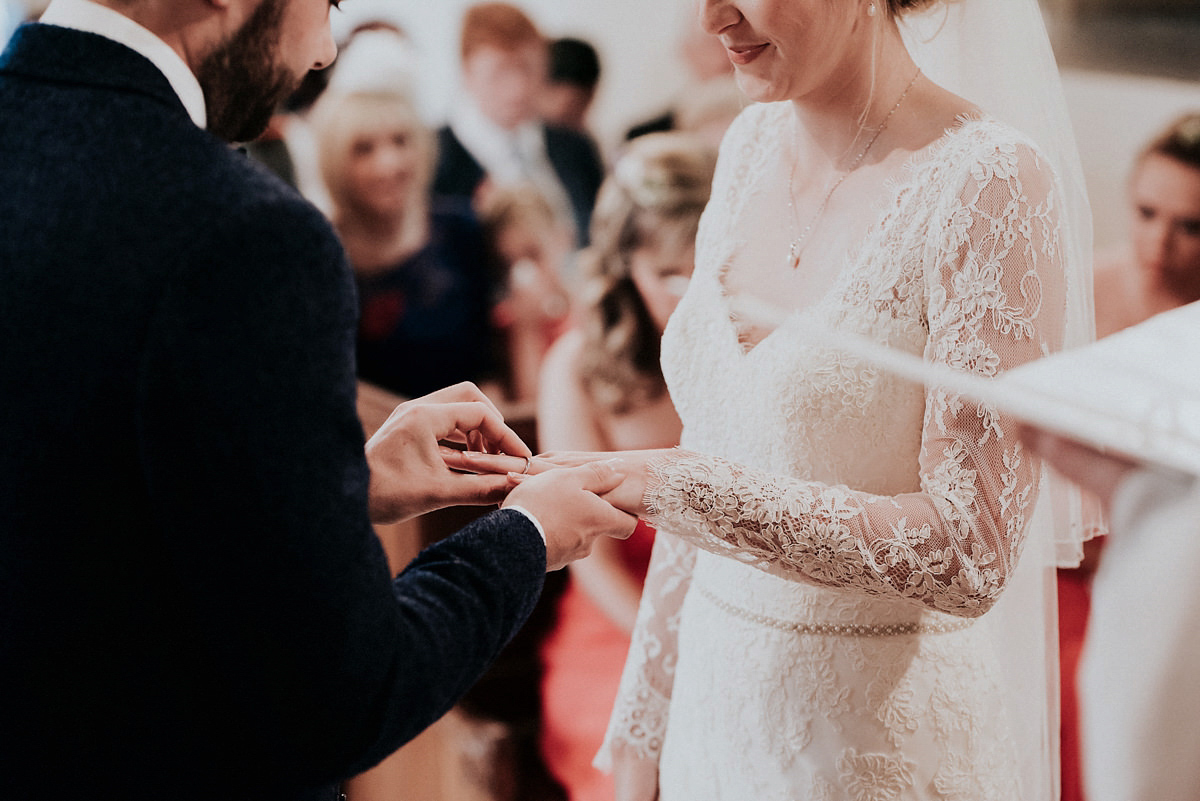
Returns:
(192,601)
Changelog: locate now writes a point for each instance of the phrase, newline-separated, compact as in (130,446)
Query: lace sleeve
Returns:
(639,718)
(995,300)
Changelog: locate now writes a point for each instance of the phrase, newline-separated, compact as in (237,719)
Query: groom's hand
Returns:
(628,495)
(569,505)
(408,474)
(1097,471)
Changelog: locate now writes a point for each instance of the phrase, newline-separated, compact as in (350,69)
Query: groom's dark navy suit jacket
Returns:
(192,602)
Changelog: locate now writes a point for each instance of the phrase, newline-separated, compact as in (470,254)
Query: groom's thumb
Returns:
(601,477)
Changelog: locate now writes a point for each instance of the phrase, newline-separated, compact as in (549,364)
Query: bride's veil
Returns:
(996,53)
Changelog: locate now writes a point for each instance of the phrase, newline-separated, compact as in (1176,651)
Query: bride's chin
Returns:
(760,90)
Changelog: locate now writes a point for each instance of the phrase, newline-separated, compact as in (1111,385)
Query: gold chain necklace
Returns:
(797,246)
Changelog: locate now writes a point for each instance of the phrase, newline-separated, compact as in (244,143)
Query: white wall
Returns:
(636,40)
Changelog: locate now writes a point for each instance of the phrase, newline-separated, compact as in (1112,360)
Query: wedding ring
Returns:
(528,461)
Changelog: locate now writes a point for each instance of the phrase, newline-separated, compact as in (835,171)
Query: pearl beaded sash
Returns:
(835,629)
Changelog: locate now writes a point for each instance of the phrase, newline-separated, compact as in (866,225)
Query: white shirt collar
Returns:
(84,15)
(498,151)
(511,158)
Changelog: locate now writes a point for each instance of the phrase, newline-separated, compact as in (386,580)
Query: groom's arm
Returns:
(311,662)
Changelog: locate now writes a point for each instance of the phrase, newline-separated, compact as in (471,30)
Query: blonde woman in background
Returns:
(424,271)
(602,389)
(1162,269)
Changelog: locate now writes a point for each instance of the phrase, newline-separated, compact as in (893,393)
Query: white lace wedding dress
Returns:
(828,533)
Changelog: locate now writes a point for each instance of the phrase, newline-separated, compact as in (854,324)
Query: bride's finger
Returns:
(572,458)
(476,462)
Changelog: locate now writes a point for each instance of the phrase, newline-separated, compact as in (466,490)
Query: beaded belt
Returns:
(837,629)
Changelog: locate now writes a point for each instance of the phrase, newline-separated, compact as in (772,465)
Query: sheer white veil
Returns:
(996,54)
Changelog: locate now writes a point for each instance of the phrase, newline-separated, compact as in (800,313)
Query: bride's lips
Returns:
(744,54)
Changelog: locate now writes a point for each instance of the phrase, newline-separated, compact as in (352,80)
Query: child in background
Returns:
(534,246)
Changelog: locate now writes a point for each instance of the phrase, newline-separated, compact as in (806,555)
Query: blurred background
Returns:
(1130,66)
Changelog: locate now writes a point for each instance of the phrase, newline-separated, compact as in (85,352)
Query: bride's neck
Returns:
(836,121)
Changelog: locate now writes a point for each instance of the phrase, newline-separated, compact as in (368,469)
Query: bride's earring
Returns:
(870,9)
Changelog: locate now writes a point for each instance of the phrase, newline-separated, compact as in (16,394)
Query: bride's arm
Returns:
(995,301)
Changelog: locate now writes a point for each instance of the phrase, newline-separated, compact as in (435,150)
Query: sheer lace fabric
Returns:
(830,531)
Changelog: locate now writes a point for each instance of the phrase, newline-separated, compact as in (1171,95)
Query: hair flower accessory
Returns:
(648,185)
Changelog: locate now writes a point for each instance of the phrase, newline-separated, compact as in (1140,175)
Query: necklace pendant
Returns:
(794,251)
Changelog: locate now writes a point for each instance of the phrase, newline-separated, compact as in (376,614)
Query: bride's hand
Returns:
(628,496)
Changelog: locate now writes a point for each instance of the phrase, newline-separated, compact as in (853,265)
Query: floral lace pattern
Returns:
(813,487)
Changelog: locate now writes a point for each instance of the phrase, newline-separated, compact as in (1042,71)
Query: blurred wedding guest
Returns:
(377,56)
(424,270)
(602,389)
(533,246)
(1162,271)
(705,59)
(495,133)
(571,87)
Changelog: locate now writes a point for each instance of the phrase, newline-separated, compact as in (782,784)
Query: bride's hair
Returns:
(652,198)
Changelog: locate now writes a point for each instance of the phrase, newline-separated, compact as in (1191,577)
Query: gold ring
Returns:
(528,461)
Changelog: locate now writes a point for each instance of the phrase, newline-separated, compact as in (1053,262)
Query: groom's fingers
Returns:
(482,490)
(475,418)
(465,392)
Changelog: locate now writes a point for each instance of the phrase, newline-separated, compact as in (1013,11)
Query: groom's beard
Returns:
(242,83)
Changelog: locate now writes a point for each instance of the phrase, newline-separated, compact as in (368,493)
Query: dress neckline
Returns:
(892,189)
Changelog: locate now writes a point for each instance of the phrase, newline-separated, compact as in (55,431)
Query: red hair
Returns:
(498,25)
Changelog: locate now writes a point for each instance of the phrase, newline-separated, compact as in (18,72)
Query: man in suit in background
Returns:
(495,136)
(193,604)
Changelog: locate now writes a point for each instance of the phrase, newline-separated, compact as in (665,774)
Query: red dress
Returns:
(582,659)
(1074,606)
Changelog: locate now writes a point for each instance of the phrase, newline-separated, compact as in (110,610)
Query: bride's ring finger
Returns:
(498,463)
